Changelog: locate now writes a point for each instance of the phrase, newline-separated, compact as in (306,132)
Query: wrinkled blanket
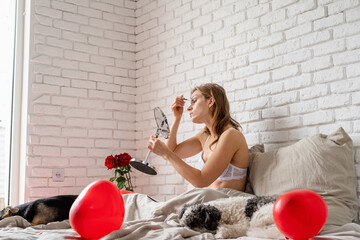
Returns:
(149,219)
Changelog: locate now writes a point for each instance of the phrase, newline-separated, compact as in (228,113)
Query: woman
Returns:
(224,158)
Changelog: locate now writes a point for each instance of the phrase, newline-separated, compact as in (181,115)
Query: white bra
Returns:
(231,172)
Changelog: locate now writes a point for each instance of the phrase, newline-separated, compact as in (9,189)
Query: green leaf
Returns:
(120,182)
(120,179)
(112,179)
(121,172)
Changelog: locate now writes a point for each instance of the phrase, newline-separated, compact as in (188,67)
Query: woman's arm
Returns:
(189,147)
(177,107)
(171,142)
(226,148)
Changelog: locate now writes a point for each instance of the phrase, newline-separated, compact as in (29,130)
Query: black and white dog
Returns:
(233,217)
(43,210)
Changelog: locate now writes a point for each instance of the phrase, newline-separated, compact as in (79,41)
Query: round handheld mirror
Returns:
(162,123)
(163,129)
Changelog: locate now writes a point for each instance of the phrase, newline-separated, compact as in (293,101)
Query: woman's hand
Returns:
(178,106)
(158,147)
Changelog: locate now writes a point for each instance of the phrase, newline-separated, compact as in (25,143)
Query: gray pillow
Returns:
(321,163)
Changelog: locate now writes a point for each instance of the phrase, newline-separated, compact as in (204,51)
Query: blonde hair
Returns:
(220,110)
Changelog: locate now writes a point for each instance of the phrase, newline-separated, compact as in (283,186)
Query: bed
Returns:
(322,163)
(148,219)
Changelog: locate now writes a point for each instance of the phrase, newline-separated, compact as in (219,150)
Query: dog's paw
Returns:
(219,235)
(200,216)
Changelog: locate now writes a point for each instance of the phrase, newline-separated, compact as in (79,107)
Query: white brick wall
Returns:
(81,83)
(98,68)
(291,70)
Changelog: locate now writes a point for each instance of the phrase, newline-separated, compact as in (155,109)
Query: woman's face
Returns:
(199,107)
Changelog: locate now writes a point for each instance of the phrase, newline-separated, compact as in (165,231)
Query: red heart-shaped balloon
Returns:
(300,214)
(98,210)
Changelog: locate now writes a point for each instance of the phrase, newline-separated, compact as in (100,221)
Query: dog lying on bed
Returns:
(43,210)
(233,217)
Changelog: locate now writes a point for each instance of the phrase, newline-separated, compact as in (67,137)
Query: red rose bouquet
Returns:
(122,170)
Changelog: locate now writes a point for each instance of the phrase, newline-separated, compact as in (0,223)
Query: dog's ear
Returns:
(263,200)
(14,210)
(182,211)
(251,207)
(255,203)
(212,216)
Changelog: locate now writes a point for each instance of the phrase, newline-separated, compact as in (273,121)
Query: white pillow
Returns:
(321,163)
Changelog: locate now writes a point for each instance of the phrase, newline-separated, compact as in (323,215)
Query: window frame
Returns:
(18,132)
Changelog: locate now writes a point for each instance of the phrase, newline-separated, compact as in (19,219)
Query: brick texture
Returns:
(82,79)
(98,68)
(291,70)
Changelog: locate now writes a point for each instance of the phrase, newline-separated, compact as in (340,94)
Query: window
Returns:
(7,49)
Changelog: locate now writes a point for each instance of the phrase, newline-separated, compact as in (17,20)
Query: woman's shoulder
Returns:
(233,135)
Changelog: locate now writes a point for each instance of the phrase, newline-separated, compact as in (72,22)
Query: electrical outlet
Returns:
(58,174)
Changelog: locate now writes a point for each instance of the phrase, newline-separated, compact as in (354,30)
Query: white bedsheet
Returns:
(142,215)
